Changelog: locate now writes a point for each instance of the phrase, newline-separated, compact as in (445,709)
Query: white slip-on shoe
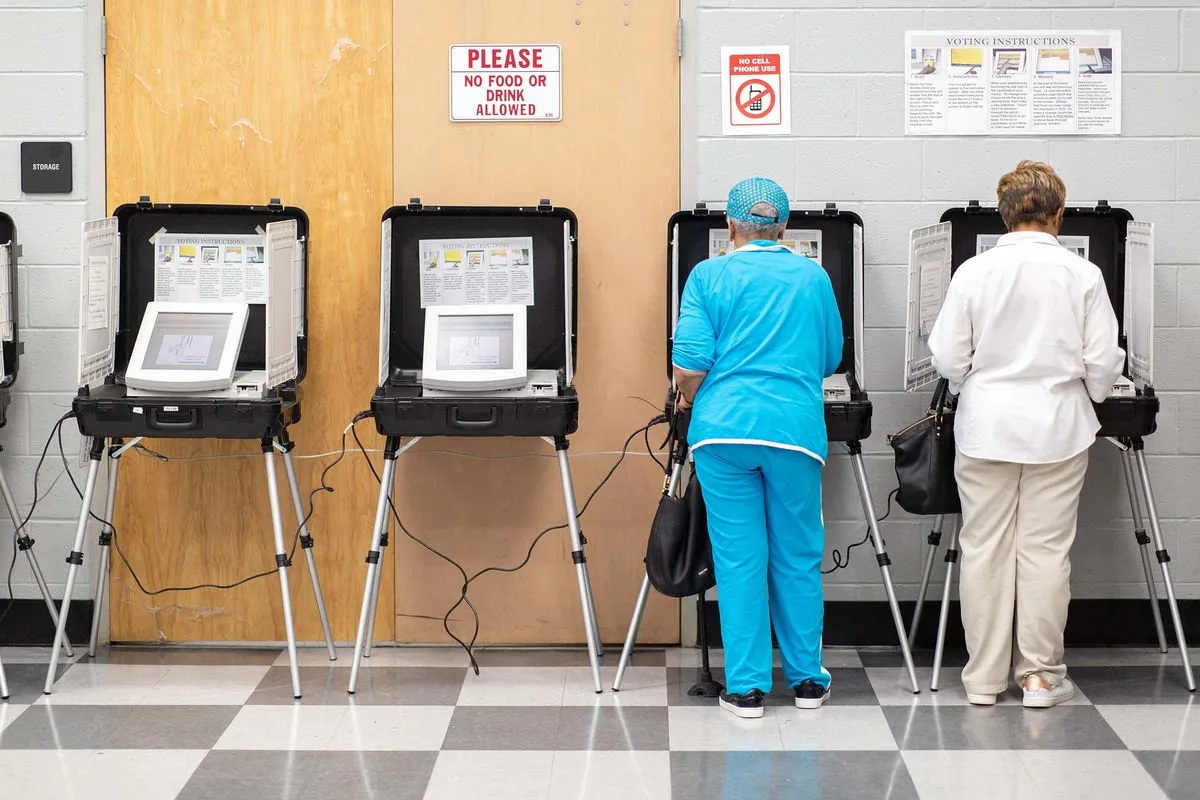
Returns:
(1047,698)
(981,699)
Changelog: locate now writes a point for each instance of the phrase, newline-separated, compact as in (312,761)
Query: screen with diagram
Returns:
(475,342)
(187,341)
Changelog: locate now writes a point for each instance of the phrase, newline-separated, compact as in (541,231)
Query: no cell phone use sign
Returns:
(505,83)
(755,93)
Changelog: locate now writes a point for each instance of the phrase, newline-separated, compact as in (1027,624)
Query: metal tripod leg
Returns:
(577,542)
(1164,559)
(375,584)
(306,540)
(3,683)
(373,567)
(864,494)
(25,543)
(106,535)
(935,539)
(1139,533)
(282,562)
(944,612)
(75,558)
(639,608)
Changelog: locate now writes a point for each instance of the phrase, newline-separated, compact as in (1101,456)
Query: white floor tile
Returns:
(1094,774)
(629,775)
(959,774)
(514,686)
(1156,727)
(835,728)
(158,685)
(640,686)
(499,775)
(712,728)
(293,727)
(97,775)
(386,656)
(892,687)
(219,686)
(690,657)
(392,728)
(9,712)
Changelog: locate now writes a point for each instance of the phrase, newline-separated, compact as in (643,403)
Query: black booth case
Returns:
(688,237)
(1124,252)
(10,338)
(125,240)
(398,405)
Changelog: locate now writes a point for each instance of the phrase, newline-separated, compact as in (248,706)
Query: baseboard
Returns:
(1090,623)
(28,623)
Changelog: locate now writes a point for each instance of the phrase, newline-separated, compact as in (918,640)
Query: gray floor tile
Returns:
(573,657)
(851,687)
(228,774)
(118,727)
(186,656)
(765,776)
(1178,774)
(620,728)
(25,681)
(1132,685)
(503,728)
(922,657)
(377,686)
(1000,728)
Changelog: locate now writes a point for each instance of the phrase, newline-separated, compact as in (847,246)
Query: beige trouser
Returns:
(1018,526)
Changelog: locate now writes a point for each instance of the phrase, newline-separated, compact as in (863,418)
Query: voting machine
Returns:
(1123,249)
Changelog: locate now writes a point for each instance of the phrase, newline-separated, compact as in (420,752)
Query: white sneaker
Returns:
(981,699)
(1047,698)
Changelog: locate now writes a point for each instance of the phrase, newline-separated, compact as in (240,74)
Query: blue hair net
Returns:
(752,191)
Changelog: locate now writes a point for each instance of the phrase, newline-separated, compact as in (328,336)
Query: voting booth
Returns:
(192,325)
(477,328)
(1124,251)
(834,239)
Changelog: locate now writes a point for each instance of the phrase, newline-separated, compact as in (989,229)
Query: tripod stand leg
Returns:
(944,612)
(373,567)
(375,584)
(102,586)
(3,683)
(75,559)
(306,540)
(25,543)
(706,686)
(592,616)
(864,494)
(1139,533)
(935,538)
(635,623)
(1164,559)
(591,629)
(282,562)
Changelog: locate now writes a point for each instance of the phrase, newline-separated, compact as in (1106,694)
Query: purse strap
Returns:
(676,447)
(941,400)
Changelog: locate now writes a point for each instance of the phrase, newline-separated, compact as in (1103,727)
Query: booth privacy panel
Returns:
(141,224)
(10,338)
(99,301)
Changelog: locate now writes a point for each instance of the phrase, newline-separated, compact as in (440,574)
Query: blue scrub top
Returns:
(764,324)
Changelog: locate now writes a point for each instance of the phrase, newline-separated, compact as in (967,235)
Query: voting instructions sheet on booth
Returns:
(463,272)
(1012,83)
(805,243)
(190,268)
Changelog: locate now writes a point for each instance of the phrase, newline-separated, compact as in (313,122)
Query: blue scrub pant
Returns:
(764,519)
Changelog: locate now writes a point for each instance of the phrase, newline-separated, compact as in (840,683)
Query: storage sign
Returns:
(505,83)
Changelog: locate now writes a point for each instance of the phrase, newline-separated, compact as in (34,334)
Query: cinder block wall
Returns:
(50,72)
(848,146)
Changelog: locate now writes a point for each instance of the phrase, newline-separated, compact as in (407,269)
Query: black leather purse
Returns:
(678,553)
(925,459)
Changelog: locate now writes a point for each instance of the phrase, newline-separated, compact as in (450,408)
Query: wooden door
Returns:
(235,101)
(614,160)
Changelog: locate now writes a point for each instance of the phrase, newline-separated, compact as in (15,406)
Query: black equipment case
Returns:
(1107,230)
(103,409)
(552,322)
(846,420)
(10,336)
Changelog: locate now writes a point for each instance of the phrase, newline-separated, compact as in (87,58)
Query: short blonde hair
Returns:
(1032,192)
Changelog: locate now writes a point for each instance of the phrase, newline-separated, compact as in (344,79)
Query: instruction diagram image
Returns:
(184,350)
(1054,62)
(966,61)
(924,61)
(1008,62)
(1095,60)
(474,351)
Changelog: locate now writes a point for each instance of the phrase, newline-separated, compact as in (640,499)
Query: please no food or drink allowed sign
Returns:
(505,83)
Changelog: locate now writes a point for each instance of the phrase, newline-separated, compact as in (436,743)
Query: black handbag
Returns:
(925,460)
(678,553)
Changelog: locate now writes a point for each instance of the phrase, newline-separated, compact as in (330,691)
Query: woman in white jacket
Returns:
(1028,339)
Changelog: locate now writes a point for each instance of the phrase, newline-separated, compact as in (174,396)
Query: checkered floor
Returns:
(169,723)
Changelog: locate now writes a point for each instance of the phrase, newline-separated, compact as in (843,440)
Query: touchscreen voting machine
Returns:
(196,261)
(1123,250)
(192,325)
(477,321)
(834,239)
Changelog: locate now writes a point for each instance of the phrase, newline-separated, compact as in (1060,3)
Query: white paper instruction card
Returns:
(191,268)
(805,243)
(962,83)
(464,272)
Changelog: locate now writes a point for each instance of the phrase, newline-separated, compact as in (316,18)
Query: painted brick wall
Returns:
(49,63)
(848,146)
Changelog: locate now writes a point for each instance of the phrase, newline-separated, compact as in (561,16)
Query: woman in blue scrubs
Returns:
(758,331)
